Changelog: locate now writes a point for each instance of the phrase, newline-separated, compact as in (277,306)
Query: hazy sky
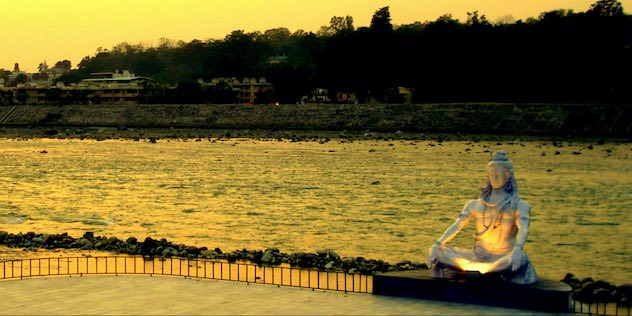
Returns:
(51,30)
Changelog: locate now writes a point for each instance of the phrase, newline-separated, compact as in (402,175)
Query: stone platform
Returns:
(545,295)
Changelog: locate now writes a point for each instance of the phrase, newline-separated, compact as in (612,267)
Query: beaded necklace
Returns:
(499,217)
(500,207)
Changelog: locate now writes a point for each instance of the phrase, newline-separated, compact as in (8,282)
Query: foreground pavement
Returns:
(179,296)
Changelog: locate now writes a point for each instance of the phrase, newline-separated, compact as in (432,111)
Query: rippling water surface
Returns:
(377,199)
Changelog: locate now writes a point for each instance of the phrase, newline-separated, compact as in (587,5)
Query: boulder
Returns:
(148,246)
(625,290)
(192,250)
(267,257)
(82,242)
(602,295)
(256,256)
(130,249)
(46,238)
(587,281)
(209,254)
(231,258)
(169,252)
(114,241)
(88,246)
(271,256)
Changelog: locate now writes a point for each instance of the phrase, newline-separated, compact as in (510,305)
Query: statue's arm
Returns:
(523,219)
(462,221)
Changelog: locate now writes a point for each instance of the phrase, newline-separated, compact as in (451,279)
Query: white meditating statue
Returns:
(502,224)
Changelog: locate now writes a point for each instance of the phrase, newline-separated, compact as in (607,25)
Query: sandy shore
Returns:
(178,296)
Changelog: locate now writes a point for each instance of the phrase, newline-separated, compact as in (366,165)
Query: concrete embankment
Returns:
(595,120)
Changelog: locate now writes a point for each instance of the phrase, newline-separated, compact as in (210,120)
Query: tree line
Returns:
(560,56)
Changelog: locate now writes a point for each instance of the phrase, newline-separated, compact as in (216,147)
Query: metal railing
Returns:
(601,308)
(221,270)
(189,268)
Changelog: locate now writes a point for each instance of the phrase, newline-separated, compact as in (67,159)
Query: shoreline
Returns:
(153,134)
(586,289)
(325,260)
(538,119)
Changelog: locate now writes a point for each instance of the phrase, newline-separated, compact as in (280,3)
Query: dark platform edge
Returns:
(545,295)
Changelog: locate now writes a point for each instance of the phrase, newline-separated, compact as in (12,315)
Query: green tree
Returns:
(337,25)
(381,21)
(221,93)
(436,58)
(73,76)
(473,19)
(555,16)
(4,74)
(42,66)
(39,76)
(606,8)
(63,64)
(189,92)
(21,78)
(278,38)
(342,24)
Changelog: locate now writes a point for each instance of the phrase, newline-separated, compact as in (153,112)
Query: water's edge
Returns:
(592,120)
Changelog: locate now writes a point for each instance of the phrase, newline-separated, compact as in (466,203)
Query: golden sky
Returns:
(51,30)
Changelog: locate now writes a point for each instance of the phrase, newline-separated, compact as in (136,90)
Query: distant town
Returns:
(118,87)
(125,87)
(559,57)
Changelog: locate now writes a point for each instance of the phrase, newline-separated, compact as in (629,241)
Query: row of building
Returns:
(124,87)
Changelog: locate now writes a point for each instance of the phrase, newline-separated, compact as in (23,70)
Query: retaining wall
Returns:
(596,120)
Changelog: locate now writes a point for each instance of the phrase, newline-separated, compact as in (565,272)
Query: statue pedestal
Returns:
(549,296)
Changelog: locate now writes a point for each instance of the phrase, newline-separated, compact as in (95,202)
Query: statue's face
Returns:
(498,176)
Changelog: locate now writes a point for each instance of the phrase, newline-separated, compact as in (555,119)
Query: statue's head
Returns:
(500,174)
(499,170)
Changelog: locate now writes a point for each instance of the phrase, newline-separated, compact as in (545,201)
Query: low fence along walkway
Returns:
(191,268)
(220,270)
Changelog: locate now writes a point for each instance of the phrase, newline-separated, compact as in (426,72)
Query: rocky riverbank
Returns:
(590,291)
(153,135)
(585,290)
(601,120)
(325,260)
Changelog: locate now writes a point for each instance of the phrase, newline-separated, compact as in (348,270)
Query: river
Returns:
(377,199)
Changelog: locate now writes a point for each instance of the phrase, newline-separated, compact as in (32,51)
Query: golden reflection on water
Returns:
(377,199)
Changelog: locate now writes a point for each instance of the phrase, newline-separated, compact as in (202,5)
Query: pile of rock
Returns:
(591,291)
(325,260)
